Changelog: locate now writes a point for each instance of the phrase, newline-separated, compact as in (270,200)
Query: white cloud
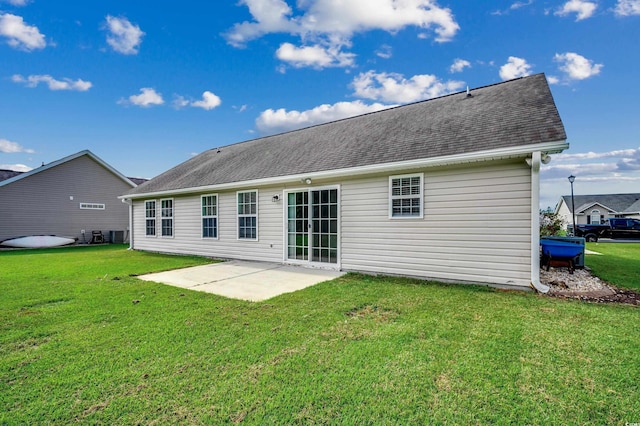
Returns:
(577,67)
(146,98)
(514,6)
(16,167)
(342,19)
(385,51)
(619,153)
(627,7)
(275,121)
(64,84)
(209,101)
(391,87)
(314,56)
(21,36)
(552,79)
(329,25)
(583,9)
(459,65)
(515,68)
(8,147)
(124,37)
(179,102)
(17,2)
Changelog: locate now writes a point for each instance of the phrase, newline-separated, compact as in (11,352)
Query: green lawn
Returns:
(75,348)
(619,263)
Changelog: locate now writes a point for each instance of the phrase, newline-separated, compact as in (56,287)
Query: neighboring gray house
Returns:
(75,193)
(598,208)
(446,188)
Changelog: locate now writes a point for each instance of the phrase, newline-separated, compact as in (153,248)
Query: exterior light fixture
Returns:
(275,198)
(545,158)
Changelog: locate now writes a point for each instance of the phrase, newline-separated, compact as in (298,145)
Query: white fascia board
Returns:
(447,160)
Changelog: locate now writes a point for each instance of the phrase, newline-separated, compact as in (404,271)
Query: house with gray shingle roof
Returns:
(445,188)
(598,208)
(63,198)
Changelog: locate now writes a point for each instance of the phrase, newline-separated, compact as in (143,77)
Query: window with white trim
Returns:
(150,218)
(405,196)
(91,206)
(209,216)
(595,217)
(248,215)
(166,214)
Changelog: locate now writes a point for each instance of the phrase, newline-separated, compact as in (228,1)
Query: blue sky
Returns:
(147,85)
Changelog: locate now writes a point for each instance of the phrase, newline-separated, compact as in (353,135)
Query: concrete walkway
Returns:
(237,279)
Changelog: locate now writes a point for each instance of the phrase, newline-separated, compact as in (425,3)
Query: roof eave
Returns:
(520,151)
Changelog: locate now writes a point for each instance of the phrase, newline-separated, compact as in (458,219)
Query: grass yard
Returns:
(75,348)
(619,263)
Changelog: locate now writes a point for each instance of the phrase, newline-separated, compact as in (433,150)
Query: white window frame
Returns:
(92,206)
(204,216)
(420,195)
(154,218)
(171,218)
(595,212)
(246,215)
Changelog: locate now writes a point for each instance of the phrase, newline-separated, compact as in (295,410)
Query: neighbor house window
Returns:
(595,217)
(167,217)
(405,196)
(248,215)
(91,206)
(150,218)
(209,216)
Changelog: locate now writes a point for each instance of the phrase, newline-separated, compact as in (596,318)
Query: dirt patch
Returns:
(583,285)
(372,312)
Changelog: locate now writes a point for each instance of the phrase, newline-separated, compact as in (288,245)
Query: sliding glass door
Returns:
(312,226)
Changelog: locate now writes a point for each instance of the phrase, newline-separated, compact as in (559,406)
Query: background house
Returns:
(598,208)
(446,188)
(75,193)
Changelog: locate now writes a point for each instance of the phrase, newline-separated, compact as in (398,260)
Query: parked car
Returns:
(614,228)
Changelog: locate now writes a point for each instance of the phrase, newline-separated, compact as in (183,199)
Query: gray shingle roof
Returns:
(8,174)
(137,181)
(510,114)
(619,203)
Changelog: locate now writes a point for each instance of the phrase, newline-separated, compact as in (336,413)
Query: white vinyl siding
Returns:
(166,217)
(188,229)
(476,226)
(150,218)
(248,215)
(209,216)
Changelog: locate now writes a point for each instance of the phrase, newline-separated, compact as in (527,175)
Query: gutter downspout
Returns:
(130,230)
(535,223)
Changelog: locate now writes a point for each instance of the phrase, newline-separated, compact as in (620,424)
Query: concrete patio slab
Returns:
(237,279)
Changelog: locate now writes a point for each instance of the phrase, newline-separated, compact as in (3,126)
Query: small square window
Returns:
(406,196)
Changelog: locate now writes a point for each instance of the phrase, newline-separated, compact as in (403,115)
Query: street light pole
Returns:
(573,206)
